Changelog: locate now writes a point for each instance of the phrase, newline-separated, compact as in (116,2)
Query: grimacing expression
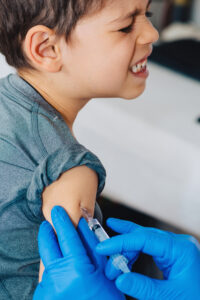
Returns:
(106,45)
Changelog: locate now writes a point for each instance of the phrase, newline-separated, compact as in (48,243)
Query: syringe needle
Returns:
(86,214)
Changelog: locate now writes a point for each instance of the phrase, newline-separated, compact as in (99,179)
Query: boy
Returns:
(66,52)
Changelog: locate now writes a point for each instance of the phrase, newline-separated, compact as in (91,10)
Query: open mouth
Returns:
(140,67)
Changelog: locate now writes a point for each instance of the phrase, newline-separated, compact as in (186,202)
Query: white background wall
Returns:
(5,69)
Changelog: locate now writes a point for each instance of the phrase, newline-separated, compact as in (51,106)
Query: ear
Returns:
(42,48)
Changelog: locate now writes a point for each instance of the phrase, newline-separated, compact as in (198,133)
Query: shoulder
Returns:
(28,121)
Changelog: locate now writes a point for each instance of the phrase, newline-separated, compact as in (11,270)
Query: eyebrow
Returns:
(134,13)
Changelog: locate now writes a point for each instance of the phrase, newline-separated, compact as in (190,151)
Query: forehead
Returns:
(137,7)
(114,12)
(119,10)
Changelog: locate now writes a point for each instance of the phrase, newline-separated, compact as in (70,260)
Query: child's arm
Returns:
(75,188)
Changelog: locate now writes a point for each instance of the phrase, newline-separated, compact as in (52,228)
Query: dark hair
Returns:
(18,16)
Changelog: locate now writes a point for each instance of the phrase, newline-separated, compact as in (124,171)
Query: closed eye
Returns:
(128,29)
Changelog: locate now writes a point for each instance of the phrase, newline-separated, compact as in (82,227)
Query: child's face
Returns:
(100,57)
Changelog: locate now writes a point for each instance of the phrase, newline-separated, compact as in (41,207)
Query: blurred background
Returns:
(169,11)
(178,23)
(150,146)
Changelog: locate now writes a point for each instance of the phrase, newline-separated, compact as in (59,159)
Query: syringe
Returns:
(118,260)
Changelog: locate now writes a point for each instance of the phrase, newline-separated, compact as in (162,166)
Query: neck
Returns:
(67,107)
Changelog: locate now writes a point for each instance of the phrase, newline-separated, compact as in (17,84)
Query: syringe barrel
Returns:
(119,261)
(96,227)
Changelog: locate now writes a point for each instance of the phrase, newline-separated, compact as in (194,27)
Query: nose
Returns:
(148,34)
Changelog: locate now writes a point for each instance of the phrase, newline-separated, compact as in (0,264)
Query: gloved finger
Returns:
(149,241)
(132,257)
(139,286)
(69,240)
(90,242)
(111,271)
(47,243)
(38,292)
(121,226)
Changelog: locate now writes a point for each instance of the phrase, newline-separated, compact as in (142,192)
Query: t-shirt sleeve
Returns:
(56,163)
(36,148)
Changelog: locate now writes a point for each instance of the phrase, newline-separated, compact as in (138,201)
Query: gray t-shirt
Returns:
(36,147)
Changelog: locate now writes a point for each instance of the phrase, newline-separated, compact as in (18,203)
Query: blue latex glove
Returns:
(177,256)
(73,269)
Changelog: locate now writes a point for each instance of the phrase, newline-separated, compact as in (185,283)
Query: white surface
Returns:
(150,147)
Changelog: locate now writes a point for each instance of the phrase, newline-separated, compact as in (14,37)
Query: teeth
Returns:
(144,63)
(137,68)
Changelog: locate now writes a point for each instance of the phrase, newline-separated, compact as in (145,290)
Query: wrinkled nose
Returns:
(148,34)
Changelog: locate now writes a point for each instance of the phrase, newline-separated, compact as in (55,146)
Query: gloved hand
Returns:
(73,269)
(177,256)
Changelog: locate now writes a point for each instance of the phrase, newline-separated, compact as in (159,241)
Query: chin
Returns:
(132,96)
(133,92)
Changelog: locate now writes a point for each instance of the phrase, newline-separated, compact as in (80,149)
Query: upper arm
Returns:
(74,188)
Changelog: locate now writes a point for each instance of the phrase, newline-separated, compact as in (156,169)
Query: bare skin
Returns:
(74,189)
